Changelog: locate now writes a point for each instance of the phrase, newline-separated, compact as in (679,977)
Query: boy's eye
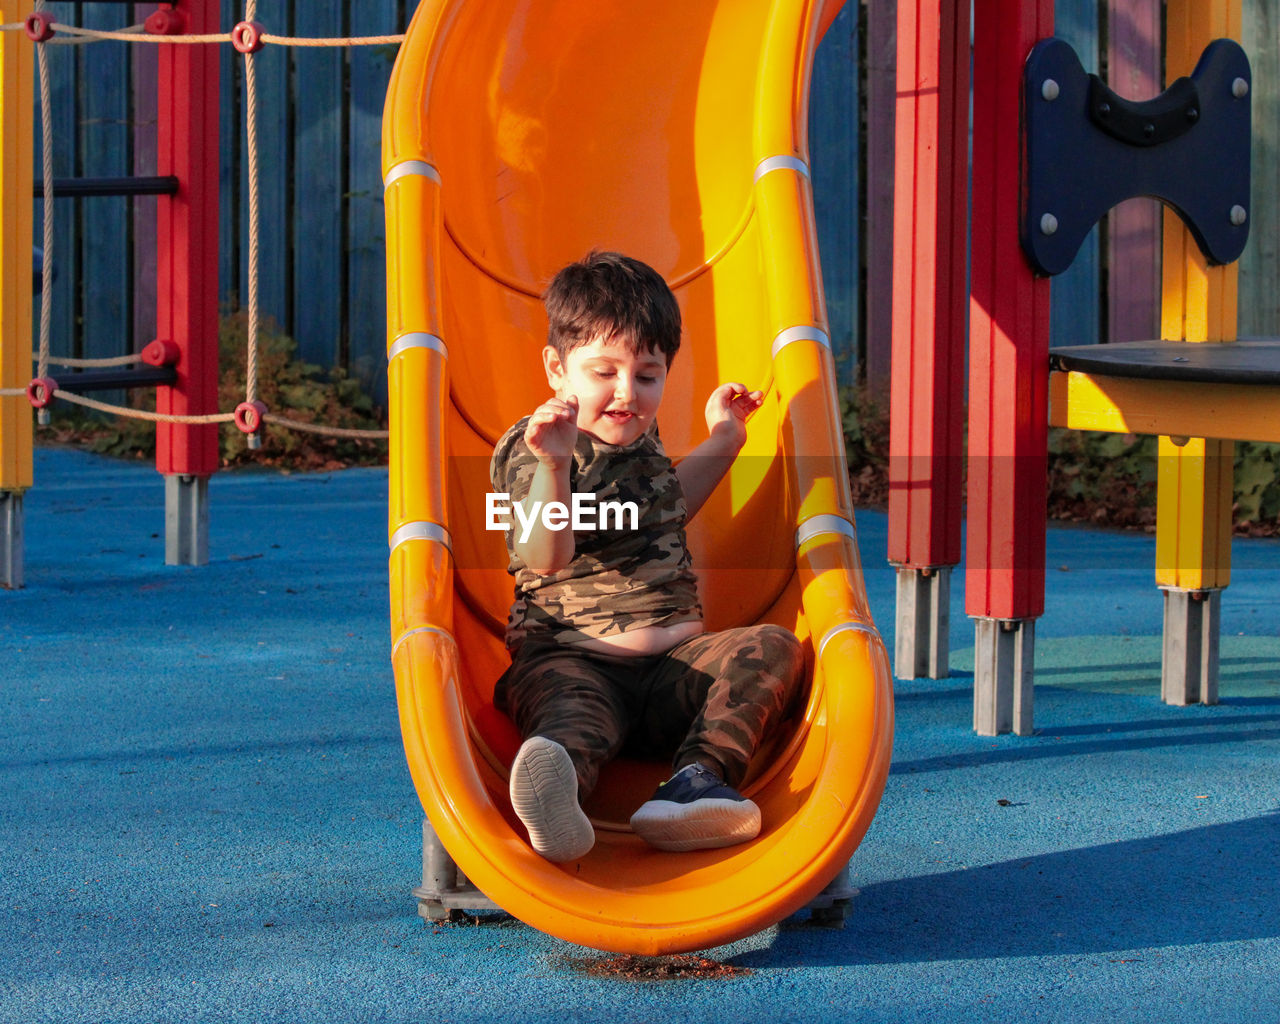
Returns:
(602,374)
(646,378)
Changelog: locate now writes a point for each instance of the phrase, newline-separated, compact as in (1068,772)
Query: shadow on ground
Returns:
(1215,884)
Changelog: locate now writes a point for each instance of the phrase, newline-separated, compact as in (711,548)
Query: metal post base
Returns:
(920,646)
(444,889)
(1003,674)
(11,542)
(186,520)
(1189,666)
(832,906)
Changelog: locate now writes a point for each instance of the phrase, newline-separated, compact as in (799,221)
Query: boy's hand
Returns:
(552,430)
(728,409)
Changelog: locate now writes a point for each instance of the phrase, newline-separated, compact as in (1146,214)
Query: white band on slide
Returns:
(781,163)
(421,530)
(847,627)
(826,523)
(407,167)
(802,332)
(421,629)
(417,339)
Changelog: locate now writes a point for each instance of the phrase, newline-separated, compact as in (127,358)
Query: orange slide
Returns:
(518,135)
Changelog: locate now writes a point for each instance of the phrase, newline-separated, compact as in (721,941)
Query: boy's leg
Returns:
(726,691)
(572,721)
(566,697)
(718,694)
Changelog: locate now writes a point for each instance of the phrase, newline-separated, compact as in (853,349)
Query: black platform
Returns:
(1252,361)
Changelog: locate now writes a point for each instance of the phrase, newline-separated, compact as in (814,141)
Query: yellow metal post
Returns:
(17,65)
(1193,532)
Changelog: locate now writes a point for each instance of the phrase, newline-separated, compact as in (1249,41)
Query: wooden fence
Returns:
(322,225)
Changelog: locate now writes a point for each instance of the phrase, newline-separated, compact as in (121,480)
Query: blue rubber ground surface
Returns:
(206,814)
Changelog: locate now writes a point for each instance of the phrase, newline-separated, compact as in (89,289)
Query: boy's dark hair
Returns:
(614,296)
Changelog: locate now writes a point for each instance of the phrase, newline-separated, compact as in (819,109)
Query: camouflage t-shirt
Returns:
(620,577)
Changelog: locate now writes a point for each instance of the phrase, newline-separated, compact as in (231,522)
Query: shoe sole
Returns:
(544,795)
(702,825)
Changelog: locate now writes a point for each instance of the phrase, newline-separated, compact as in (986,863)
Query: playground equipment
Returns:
(926,426)
(1199,389)
(181,363)
(1039,129)
(518,135)
(16,76)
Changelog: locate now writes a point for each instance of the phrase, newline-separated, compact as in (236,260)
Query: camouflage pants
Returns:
(711,698)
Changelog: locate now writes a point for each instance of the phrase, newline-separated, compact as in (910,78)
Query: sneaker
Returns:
(544,794)
(695,810)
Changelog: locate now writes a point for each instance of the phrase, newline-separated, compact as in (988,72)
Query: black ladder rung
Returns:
(154,185)
(105,380)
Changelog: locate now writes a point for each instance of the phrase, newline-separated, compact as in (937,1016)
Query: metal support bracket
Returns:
(921,646)
(444,888)
(1088,149)
(11,541)
(1189,664)
(832,906)
(1003,673)
(186,520)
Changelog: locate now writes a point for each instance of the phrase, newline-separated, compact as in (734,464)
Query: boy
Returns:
(606,635)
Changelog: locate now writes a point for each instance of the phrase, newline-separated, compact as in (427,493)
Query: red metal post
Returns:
(926,435)
(187,242)
(1009,333)
(926,441)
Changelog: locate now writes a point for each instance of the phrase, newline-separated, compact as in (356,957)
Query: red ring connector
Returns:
(40,391)
(247,36)
(249,416)
(39,26)
(165,22)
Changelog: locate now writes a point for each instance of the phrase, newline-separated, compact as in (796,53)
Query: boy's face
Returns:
(618,392)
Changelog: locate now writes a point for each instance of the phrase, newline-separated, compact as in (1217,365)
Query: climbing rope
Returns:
(46,143)
(267,37)
(84,363)
(142,414)
(251,144)
(80,40)
(321,428)
(247,37)
(137,34)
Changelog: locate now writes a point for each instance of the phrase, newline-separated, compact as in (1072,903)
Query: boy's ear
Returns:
(554,366)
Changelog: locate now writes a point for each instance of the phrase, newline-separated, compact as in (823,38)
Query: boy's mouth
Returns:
(619,415)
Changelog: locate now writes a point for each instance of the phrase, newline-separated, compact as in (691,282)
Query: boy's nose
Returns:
(622,388)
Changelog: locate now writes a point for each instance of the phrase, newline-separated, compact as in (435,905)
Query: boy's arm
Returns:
(550,435)
(545,551)
(702,469)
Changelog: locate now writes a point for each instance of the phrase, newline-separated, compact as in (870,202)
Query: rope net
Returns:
(248,36)
(136,34)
